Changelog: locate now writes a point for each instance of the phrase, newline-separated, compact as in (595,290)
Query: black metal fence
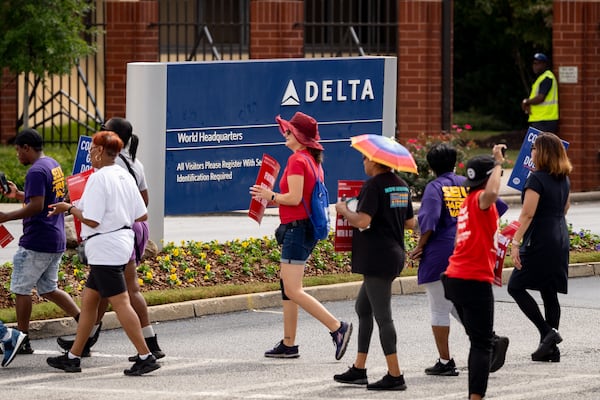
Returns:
(71,105)
(342,28)
(64,107)
(220,29)
(201,30)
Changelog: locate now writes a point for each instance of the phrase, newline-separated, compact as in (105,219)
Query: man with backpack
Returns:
(296,234)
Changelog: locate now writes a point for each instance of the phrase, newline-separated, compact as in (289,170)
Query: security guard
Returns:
(542,103)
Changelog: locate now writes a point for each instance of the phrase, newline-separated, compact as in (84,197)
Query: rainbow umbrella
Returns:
(386,151)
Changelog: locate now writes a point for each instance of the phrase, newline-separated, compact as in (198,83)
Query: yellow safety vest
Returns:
(548,109)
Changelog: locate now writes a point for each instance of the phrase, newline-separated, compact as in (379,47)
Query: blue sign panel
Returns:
(82,159)
(221,118)
(524,164)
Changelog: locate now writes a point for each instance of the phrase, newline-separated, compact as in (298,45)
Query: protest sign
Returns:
(5,236)
(524,163)
(504,238)
(267,175)
(76,185)
(348,190)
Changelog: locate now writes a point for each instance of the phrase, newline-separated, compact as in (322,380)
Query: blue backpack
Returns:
(319,202)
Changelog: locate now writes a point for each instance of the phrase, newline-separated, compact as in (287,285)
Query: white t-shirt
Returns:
(136,166)
(112,199)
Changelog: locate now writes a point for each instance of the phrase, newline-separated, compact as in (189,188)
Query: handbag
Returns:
(81,253)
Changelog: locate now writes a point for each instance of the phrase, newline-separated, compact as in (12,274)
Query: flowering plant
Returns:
(420,145)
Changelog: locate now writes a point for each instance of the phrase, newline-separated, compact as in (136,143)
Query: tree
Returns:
(44,37)
(494,42)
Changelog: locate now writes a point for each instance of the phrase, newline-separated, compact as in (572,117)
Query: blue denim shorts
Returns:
(298,242)
(34,269)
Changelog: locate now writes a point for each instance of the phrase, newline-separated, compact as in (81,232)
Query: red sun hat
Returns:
(303,127)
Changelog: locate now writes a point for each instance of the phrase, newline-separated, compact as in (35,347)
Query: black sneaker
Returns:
(448,369)
(500,345)
(66,344)
(388,382)
(25,347)
(141,367)
(355,376)
(282,351)
(152,343)
(341,338)
(65,363)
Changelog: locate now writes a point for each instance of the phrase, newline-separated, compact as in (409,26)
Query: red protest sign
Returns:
(267,175)
(76,185)
(5,236)
(343,231)
(504,238)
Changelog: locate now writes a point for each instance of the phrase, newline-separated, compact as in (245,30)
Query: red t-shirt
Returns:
(476,242)
(298,164)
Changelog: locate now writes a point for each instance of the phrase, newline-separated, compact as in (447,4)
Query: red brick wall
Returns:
(8,106)
(419,96)
(576,43)
(129,38)
(276,29)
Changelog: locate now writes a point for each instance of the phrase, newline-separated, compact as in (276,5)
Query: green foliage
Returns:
(480,122)
(420,145)
(494,42)
(583,240)
(15,172)
(43,37)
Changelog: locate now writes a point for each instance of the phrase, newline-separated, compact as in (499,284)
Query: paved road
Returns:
(220,357)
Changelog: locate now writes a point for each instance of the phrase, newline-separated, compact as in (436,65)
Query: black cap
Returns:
(479,169)
(29,137)
(540,57)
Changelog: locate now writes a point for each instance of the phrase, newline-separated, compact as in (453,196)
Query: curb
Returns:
(248,302)
(578,197)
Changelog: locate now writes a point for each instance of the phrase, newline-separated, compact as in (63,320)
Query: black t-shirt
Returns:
(379,249)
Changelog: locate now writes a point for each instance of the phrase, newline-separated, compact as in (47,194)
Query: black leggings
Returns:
(375,300)
(474,302)
(528,305)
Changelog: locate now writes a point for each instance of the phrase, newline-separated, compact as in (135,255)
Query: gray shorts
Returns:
(34,269)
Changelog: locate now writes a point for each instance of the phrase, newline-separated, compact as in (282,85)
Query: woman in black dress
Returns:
(540,248)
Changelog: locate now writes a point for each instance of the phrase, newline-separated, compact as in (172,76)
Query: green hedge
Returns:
(64,154)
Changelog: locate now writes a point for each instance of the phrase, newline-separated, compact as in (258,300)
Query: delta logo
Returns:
(329,90)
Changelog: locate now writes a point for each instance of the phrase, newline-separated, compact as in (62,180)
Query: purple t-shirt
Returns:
(42,233)
(439,209)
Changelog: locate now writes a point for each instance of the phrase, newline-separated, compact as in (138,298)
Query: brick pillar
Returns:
(276,29)
(8,106)
(130,37)
(419,96)
(576,40)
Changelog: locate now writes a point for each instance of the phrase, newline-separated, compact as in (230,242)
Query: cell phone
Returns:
(4,183)
(504,148)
